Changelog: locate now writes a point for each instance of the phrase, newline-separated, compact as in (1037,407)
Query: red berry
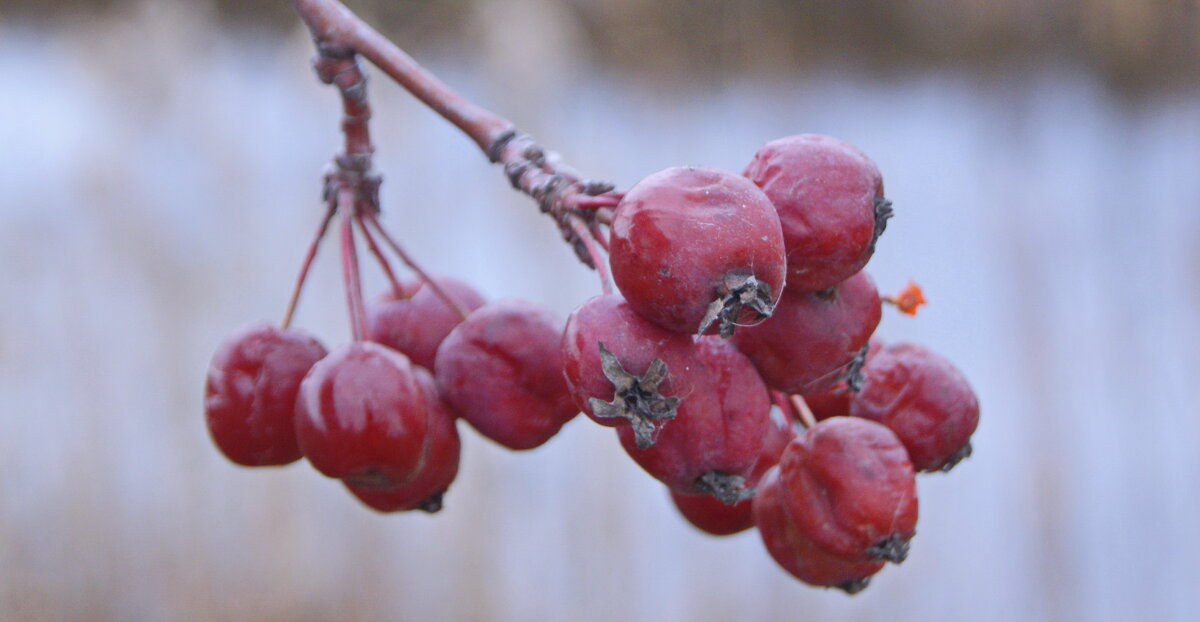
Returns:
(717,434)
(697,248)
(439,467)
(806,345)
(831,207)
(850,488)
(251,392)
(361,416)
(835,401)
(633,371)
(711,515)
(793,549)
(501,370)
(416,324)
(924,399)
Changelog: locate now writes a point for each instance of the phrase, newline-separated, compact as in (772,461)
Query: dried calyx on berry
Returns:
(624,371)
(635,398)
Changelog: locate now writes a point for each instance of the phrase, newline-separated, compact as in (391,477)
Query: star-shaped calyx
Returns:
(636,398)
(738,290)
(728,489)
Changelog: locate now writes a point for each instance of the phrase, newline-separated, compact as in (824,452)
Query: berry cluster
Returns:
(736,363)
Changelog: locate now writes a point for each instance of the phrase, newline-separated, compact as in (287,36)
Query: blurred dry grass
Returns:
(1135,44)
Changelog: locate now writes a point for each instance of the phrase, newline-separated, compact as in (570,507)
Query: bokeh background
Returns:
(160,167)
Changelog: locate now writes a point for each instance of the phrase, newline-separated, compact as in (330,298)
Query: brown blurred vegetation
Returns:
(1134,44)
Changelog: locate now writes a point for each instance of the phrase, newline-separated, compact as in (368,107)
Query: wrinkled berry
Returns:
(717,434)
(501,370)
(829,196)
(439,466)
(698,250)
(621,369)
(793,549)
(849,487)
(361,416)
(416,324)
(713,516)
(250,394)
(924,399)
(806,346)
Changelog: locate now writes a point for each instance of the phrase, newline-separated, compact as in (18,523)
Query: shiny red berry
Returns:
(924,399)
(501,370)
(439,466)
(621,369)
(805,347)
(830,201)
(416,323)
(715,517)
(361,416)
(713,442)
(698,250)
(850,488)
(250,395)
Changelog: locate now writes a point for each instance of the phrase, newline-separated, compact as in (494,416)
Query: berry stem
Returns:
(804,413)
(591,243)
(408,261)
(386,266)
(557,188)
(309,256)
(350,272)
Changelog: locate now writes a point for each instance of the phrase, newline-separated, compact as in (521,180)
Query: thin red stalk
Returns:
(529,167)
(304,268)
(780,399)
(585,236)
(384,264)
(805,413)
(595,202)
(350,272)
(599,235)
(408,261)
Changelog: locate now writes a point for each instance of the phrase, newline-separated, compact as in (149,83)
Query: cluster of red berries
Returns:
(705,364)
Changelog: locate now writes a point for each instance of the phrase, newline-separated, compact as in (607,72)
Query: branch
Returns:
(559,190)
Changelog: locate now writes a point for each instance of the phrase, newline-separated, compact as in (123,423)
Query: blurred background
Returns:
(160,164)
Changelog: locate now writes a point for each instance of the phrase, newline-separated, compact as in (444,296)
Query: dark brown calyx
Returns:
(963,453)
(854,369)
(728,489)
(738,290)
(433,504)
(636,398)
(894,549)
(854,586)
(883,211)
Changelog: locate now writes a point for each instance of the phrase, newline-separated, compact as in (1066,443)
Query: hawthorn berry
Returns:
(415,321)
(829,196)
(623,370)
(924,399)
(717,434)
(501,370)
(439,466)
(835,401)
(713,516)
(793,549)
(698,250)
(813,336)
(850,488)
(250,393)
(361,417)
